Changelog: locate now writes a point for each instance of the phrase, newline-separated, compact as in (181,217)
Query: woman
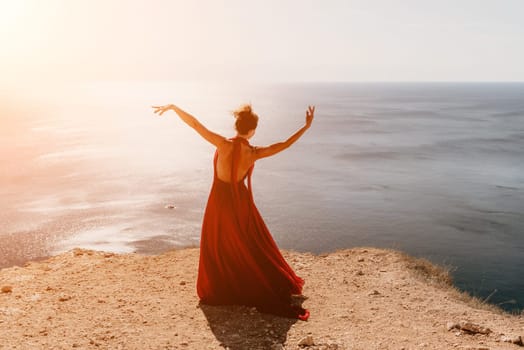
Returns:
(239,261)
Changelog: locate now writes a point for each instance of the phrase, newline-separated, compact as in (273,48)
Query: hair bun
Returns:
(245,118)
(243,111)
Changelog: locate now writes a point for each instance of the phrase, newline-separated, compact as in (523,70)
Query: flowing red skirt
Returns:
(240,262)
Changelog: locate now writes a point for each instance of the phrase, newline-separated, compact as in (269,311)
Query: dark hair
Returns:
(245,119)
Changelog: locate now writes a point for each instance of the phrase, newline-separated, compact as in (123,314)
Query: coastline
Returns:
(359,298)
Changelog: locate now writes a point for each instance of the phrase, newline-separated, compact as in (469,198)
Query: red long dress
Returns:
(240,262)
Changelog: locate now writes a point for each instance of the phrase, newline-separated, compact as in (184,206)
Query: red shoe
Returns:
(305,316)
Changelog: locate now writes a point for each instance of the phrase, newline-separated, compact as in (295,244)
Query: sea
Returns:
(433,169)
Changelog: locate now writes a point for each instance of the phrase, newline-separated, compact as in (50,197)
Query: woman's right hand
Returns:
(310,113)
(162,109)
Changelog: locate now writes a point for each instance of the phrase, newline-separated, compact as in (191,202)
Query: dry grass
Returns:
(441,276)
(428,271)
(476,302)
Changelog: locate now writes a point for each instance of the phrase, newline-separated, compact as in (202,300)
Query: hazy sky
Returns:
(368,40)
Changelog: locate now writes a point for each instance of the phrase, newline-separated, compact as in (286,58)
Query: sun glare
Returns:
(10,12)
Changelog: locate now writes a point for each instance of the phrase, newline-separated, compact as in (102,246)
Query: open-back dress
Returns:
(240,262)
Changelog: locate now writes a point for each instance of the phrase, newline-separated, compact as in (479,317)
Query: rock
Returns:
(515,339)
(182,283)
(473,328)
(360,259)
(374,292)
(452,325)
(78,252)
(360,273)
(64,297)
(170,206)
(306,341)
(35,297)
(7,289)
(329,347)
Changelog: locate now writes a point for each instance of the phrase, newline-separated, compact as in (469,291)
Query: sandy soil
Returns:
(362,298)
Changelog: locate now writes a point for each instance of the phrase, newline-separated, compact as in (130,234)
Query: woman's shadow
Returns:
(241,327)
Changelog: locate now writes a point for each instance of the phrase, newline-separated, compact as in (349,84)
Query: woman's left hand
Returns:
(310,113)
(162,109)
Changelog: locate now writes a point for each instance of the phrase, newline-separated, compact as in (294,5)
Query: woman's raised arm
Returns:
(262,152)
(210,136)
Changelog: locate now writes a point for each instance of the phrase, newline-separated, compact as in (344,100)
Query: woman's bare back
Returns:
(224,162)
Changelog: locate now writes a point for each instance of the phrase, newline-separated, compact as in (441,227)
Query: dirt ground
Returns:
(361,298)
